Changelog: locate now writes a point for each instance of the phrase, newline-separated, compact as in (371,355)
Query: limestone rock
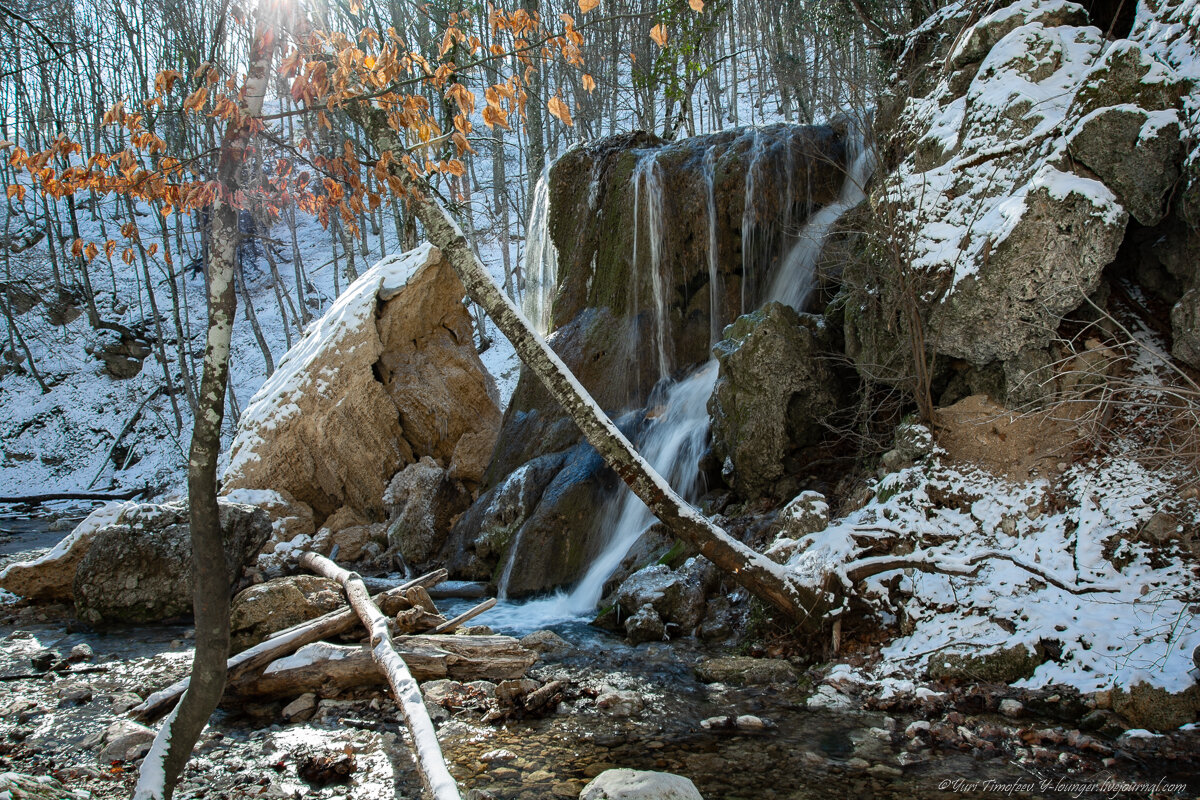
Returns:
(545,641)
(1136,153)
(52,576)
(1157,709)
(771,396)
(140,569)
(629,784)
(422,501)
(355,544)
(746,671)
(1004,665)
(300,709)
(645,625)
(121,352)
(483,534)
(389,375)
(125,740)
(676,596)
(265,608)
(1185,328)
(807,513)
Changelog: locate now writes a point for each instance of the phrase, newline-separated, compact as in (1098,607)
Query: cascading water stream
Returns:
(676,438)
(541,260)
(648,193)
(714,276)
(795,278)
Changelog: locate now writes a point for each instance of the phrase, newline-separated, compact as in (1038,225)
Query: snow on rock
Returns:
(1120,615)
(1030,140)
(387,376)
(51,576)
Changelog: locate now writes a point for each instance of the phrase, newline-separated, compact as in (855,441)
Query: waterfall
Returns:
(676,436)
(673,446)
(795,278)
(541,260)
(714,279)
(648,192)
(750,228)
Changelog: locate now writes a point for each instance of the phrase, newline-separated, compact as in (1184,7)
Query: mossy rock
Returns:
(1000,666)
(1156,709)
(747,671)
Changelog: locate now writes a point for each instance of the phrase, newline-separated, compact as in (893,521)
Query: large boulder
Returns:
(52,576)
(265,608)
(1026,142)
(139,569)
(772,394)
(389,375)
(677,597)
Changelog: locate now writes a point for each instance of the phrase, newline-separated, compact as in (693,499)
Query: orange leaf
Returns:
(77,248)
(559,109)
(196,99)
(587,5)
(697,5)
(659,34)
(589,83)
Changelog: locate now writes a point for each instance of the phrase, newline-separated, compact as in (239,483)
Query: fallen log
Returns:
(34,499)
(431,764)
(327,669)
(278,645)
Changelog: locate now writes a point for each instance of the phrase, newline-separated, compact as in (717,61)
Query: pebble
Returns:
(497,755)
(1011,708)
(80,652)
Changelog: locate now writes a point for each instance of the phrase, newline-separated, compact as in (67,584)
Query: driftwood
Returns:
(326,669)
(431,764)
(277,646)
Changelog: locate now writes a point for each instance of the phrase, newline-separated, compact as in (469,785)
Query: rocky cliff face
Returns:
(1024,146)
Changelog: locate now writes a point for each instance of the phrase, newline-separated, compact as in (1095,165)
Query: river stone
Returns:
(629,784)
(546,643)
(268,607)
(125,740)
(1157,709)
(140,569)
(677,596)
(52,576)
(645,625)
(772,394)
(746,671)
(1004,665)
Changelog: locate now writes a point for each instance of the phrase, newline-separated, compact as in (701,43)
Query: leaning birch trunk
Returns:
(761,576)
(278,645)
(430,762)
(173,745)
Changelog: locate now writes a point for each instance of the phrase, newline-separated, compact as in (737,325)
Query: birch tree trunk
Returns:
(172,747)
(761,576)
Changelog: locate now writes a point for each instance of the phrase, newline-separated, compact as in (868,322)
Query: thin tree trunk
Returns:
(172,747)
